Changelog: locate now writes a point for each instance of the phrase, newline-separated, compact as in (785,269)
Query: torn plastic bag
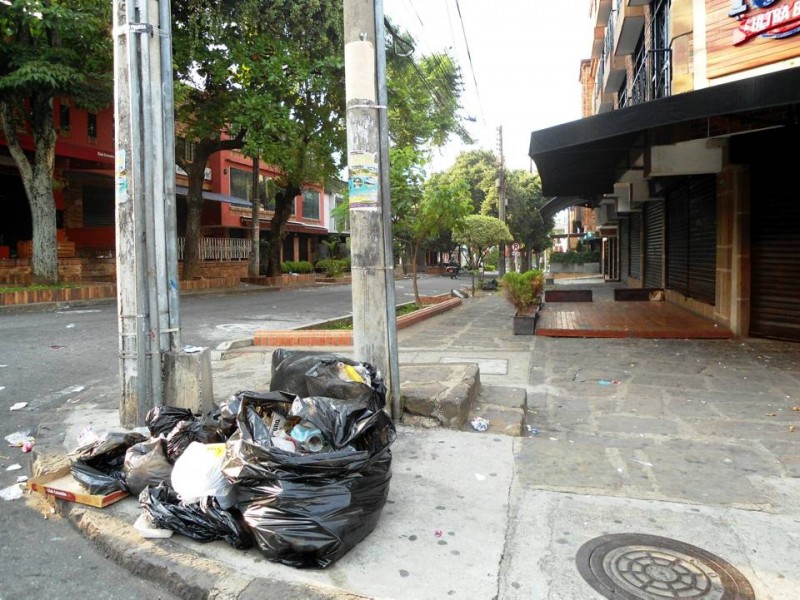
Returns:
(185,432)
(146,464)
(160,420)
(198,474)
(308,510)
(309,373)
(98,466)
(203,521)
(223,416)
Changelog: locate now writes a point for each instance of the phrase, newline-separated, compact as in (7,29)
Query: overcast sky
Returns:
(524,69)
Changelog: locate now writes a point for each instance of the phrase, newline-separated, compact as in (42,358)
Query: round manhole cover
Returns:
(632,566)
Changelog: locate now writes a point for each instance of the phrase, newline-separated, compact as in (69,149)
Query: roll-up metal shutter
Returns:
(653,243)
(678,238)
(636,245)
(624,249)
(775,279)
(692,238)
(703,238)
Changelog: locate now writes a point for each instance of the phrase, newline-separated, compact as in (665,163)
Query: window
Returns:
(63,117)
(311,204)
(185,149)
(242,186)
(91,125)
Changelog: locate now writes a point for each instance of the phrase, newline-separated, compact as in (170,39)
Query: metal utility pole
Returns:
(501,199)
(372,267)
(147,281)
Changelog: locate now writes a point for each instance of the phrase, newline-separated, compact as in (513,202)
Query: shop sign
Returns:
(778,22)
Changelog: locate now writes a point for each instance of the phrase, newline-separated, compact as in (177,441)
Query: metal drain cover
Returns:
(632,566)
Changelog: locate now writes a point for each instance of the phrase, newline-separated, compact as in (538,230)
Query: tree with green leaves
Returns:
(265,77)
(479,169)
(424,99)
(524,198)
(478,233)
(441,206)
(49,49)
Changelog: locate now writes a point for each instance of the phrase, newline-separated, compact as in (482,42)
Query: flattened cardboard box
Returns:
(61,484)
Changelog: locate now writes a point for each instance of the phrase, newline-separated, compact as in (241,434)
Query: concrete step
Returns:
(503,408)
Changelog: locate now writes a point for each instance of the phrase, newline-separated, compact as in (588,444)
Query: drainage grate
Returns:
(632,566)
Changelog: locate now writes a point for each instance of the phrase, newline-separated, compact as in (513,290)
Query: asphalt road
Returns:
(49,357)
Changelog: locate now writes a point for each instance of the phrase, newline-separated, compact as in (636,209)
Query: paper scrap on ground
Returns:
(18,405)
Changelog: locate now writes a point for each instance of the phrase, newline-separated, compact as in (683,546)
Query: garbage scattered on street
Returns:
(14,467)
(479,424)
(18,405)
(12,492)
(19,438)
(254,470)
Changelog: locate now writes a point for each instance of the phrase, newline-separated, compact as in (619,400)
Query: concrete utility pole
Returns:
(372,267)
(501,199)
(147,281)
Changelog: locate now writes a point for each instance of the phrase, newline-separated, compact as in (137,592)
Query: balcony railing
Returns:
(219,248)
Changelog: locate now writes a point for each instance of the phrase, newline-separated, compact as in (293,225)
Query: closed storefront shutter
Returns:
(624,249)
(775,300)
(678,238)
(774,237)
(703,238)
(636,245)
(653,243)
(691,238)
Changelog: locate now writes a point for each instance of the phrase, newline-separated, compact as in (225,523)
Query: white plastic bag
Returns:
(198,473)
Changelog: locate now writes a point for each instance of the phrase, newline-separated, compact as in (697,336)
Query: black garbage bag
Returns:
(307,510)
(160,420)
(186,432)
(223,416)
(98,466)
(146,464)
(203,521)
(311,373)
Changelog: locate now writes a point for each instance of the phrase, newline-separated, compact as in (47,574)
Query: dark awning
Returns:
(215,197)
(585,157)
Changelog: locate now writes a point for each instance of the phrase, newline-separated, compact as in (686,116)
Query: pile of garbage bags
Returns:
(301,471)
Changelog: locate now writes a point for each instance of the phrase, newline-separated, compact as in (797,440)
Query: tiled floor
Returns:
(617,319)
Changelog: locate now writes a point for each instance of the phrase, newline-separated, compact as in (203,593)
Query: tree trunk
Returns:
(284,202)
(194,215)
(253,263)
(414,254)
(37,180)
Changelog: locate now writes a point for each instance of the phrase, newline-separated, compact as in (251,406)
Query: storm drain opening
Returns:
(632,566)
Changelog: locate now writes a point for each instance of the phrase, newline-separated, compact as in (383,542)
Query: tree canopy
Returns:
(49,49)
(479,233)
(524,199)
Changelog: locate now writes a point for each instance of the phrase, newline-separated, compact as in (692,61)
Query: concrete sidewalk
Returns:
(686,440)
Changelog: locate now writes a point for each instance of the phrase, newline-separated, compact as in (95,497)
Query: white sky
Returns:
(525,59)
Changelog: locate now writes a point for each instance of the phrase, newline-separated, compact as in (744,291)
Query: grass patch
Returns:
(347,323)
(37,287)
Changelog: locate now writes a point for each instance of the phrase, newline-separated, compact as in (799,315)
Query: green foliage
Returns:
(297,266)
(523,290)
(478,168)
(332,267)
(524,196)
(479,233)
(575,258)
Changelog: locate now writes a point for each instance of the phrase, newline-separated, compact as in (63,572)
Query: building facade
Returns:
(686,156)
(86,213)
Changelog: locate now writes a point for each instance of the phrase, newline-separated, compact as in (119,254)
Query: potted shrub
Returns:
(525,292)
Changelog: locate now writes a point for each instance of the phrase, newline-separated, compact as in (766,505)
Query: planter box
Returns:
(525,324)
